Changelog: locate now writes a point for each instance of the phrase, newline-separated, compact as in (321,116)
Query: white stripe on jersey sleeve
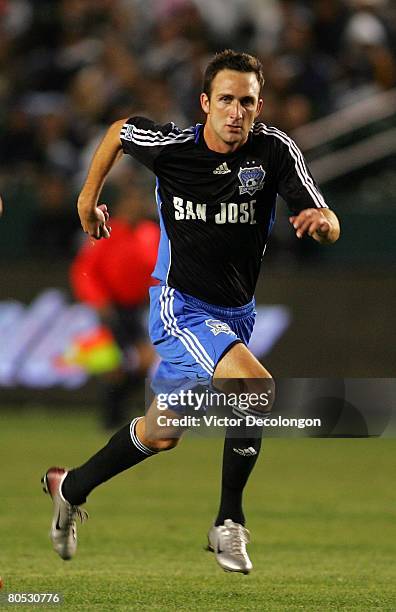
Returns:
(149,138)
(150,133)
(296,154)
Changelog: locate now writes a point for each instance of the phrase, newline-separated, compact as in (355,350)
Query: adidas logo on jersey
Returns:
(245,452)
(222,169)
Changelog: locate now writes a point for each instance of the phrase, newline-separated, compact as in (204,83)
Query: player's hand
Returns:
(94,221)
(310,221)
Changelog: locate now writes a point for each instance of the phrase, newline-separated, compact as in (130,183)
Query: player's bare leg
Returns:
(228,536)
(153,434)
(69,489)
(239,362)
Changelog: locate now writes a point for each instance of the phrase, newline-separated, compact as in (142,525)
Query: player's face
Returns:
(233,105)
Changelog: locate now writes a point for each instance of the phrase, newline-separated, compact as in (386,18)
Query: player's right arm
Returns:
(93,217)
(310,213)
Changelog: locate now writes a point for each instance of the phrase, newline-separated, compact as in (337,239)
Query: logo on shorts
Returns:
(252,179)
(218,327)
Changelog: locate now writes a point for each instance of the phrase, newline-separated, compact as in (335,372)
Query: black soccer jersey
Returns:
(217,210)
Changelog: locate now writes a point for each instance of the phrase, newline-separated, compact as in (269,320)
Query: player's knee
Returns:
(162,444)
(255,395)
(261,392)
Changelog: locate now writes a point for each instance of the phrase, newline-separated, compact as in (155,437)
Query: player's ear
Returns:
(205,103)
(259,106)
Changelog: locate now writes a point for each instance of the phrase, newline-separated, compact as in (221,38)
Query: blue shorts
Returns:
(191,336)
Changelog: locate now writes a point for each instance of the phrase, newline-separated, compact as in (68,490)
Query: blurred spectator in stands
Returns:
(330,19)
(19,147)
(68,68)
(367,53)
(57,147)
(159,104)
(296,110)
(113,276)
(303,70)
(53,229)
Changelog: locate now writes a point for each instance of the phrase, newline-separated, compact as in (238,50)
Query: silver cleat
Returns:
(228,542)
(63,533)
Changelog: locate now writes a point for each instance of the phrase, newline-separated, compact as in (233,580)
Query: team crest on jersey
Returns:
(252,179)
(218,327)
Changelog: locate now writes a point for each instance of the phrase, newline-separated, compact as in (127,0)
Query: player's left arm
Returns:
(320,223)
(310,214)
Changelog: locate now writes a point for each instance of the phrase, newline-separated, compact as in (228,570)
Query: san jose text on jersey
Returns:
(217,210)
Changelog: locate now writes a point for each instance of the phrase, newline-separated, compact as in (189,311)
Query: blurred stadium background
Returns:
(67,69)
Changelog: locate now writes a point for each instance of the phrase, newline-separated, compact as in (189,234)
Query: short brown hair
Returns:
(232,60)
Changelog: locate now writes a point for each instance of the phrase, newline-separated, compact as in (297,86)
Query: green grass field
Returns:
(321,514)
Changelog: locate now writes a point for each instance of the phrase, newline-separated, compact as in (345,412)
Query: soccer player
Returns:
(216,192)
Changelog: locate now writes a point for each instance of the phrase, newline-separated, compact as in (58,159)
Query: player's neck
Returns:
(215,144)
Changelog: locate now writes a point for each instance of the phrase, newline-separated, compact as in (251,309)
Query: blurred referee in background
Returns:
(114,277)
